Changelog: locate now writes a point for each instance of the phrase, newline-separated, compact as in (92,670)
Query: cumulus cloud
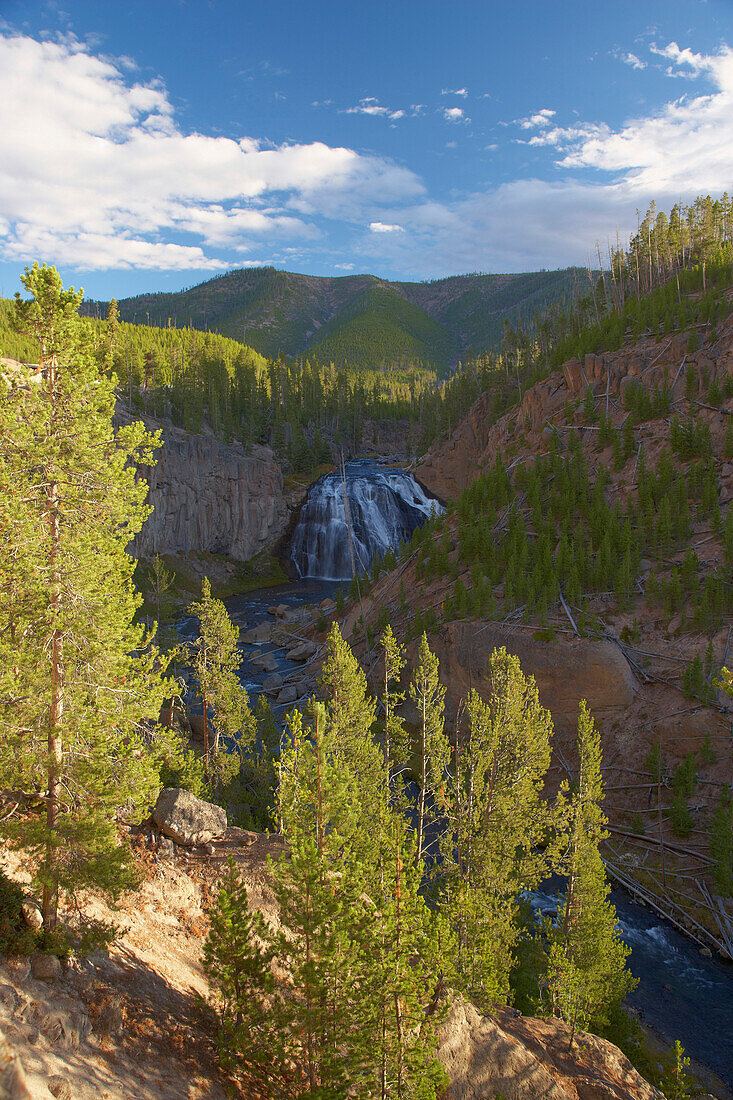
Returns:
(536,121)
(95,172)
(385,227)
(455,91)
(454,114)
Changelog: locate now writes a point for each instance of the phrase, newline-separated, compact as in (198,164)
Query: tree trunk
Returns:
(50,889)
(56,709)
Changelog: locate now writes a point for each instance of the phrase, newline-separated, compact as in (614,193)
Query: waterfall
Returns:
(385,507)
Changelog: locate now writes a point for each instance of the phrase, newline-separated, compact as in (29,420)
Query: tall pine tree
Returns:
(587,960)
(493,853)
(76,671)
(428,695)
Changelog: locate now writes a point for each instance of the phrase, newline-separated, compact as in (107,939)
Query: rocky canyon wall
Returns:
(208,496)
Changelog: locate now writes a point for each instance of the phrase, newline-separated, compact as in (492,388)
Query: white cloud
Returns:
(536,121)
(631,60)
(95,172)
(371,106)
(696,62)
(384,227)
(454,114)
(455,91)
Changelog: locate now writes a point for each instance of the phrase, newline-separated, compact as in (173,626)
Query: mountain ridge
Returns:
(356,320)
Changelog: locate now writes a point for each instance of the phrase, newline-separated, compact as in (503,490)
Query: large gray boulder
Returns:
(186,819)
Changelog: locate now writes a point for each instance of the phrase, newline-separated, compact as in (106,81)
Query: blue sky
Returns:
(151,145)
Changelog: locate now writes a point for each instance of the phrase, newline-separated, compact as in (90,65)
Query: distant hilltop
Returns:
(357,320)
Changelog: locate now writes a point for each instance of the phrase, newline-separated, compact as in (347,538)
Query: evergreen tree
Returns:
(111,335)
(215,663)
(492,853)
(587,960)
(428,695)
(237,958)
(76,672)
(396,742)
(319,887)
(403,958)
(351,715)
(676,1082)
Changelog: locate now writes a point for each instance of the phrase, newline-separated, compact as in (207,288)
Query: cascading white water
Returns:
(385,507)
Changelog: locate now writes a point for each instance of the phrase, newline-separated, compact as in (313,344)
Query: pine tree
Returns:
(77,673)
(587,959)
(319,887)
(215,663)
(396,743)
(676,1081)
(403,957)
(428,695)
(237,957)
(160,581)
(111,335)
(499,820)
(351,715)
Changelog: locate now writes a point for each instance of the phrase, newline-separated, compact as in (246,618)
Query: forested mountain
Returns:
(358,320)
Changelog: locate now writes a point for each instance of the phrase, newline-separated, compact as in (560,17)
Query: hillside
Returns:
(590,532)
(357,320)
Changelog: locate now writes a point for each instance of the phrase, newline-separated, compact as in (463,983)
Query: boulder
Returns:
(46,968)
(32,914)
(166,847)
(13,1083)
(60,1088)
(483,1061)
(272,683)
(241,837)
(288,694)
(301,652)
(327,606)
(521,1058)
(266,662)
(186,819)
(18,967)
(281,610)
(262,632)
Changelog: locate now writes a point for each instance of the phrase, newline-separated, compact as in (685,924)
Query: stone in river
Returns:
(273,683)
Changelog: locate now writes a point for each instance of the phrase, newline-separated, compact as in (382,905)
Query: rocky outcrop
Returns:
(527,1059)
(186,819)
(13,1084)
(566,669)
(208,496)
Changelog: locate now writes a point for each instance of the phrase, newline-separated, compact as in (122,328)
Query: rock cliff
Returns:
(523,1058)
(566,669)
(208,496)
